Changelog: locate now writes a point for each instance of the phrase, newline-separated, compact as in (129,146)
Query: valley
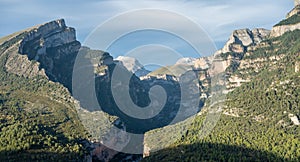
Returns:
(239,104)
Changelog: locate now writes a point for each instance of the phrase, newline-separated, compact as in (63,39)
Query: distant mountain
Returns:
(186,61)
(42,119)
(133,65)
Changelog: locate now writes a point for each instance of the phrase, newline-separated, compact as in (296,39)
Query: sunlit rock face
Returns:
(280,29)
(294,11)
(54,46)
(243,38)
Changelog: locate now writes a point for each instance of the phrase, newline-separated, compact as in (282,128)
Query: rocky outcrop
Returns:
(297,67)
(294,119)
(186,61)
(240,41)
(297,2)
(54,46)
(20,65)
(243,38)
(16,63)
(281,29)
(202,63)
(228,59)
(133,65)
(288,24)
(295,11)
(52,34)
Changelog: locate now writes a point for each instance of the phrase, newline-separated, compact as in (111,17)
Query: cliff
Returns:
(47,50)
(291,23)
(281,29)
(241,39)
(294,11)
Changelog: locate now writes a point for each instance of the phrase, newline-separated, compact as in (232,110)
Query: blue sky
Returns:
(217,17)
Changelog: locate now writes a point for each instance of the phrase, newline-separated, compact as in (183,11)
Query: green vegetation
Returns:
(233,54)
(262,129)
(38,120)
(290,21)
(277,46)
(175,70)
(233,139)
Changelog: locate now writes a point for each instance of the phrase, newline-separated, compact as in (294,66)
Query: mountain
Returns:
(259,120)
(291,23)
(37,112)
(255,103)
(133,65)
(57,123)
(186,61)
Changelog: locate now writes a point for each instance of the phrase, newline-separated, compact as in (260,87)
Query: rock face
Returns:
(289,23)
(295,11)
(280,30)
(294,119)
(238,44)
(55,47)
(133,65)
(19,64)
(202,63)
(297,2)
(186,61)
(243,38)
(297,67)
(52,34)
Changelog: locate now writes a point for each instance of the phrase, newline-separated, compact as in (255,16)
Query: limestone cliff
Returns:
(281,29)
(294,11)
(241,39)
(48,50)
(55,47)
(291,23)
(133,65)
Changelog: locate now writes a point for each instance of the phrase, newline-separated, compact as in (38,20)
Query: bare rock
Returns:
(280,30)
(243,38)
(294,119)
(295,11)
(202,63)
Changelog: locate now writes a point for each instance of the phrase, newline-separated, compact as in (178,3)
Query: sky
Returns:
(217,18)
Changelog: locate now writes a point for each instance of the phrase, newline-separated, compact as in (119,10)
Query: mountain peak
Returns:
(242,38)
(49,44)
(186,61)
(294,11)
(51,34)
(297,2)
(132,65)
(291,23)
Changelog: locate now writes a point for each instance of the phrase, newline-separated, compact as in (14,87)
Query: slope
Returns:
(259,121)
(38,119)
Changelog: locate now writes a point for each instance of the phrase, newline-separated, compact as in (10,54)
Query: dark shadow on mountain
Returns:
(212,152)
(139,91)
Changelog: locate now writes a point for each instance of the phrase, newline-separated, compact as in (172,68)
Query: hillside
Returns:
(46,113)
(260,116)
(58,123)
(259,121)
(38,117)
